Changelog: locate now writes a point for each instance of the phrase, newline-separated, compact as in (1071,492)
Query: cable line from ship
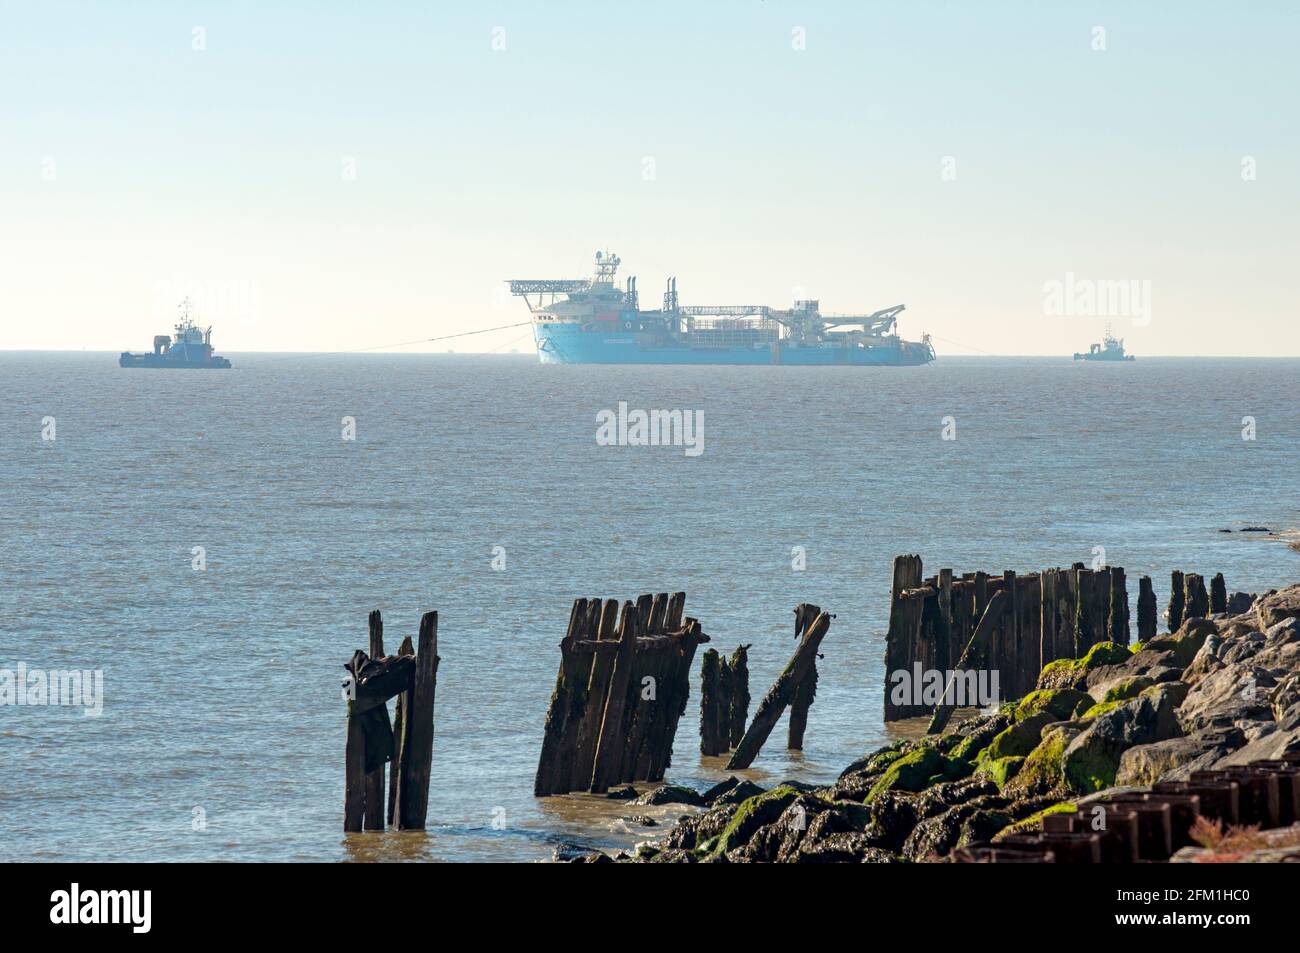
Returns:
(444,337)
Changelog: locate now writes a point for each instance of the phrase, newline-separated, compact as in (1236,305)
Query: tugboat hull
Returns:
(165,361)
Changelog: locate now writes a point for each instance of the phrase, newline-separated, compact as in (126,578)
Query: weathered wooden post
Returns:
(711,709)
(805,692)
(1119,616)
(970,659)
(900,642)
(738,715)
(609,746)
(376,804)
(1218,594)
(778,696)
(1146,610)
(417,731)
(602,670)
(1196,604)
(549,765)
(407,648)
(1174,614)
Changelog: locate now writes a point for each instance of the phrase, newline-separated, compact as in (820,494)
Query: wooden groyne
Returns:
(1045,615)
(622,688)
(375,740)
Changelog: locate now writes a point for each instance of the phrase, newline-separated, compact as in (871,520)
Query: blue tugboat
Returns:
(190,347)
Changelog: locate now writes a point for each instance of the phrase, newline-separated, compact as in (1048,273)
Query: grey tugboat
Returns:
(189,347)
(1110,349)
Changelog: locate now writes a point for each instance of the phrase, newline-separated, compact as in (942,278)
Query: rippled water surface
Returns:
(221,686)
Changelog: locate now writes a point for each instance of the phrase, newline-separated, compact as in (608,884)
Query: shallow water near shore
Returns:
(222,728)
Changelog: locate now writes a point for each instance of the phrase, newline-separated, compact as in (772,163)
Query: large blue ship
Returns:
(594,321)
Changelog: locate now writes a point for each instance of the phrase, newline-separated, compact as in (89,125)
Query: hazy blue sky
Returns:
(135,168)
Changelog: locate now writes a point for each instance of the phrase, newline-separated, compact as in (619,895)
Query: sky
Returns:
(340,176)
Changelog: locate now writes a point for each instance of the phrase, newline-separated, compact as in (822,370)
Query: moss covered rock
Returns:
(1122,689)
(916,770)
(1073,673)
(1001,770)
(1034,821)
(1041,770)
(1060,703)
(1018,740)
(749,817)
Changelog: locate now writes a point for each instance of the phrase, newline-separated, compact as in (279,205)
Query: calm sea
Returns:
(221,706)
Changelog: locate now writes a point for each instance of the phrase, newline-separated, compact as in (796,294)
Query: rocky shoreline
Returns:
(1221,692)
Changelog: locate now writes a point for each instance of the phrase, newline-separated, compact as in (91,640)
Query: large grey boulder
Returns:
(1174,759)
(1283,738)
(1228,696)
(1277,606)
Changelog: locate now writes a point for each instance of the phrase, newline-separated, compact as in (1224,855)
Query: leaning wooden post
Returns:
(778,696)
(739,713)
(970,658)
(1174,614)
(805,692)
(1196,604)
(1218,594)
(417,731)
(1146,610)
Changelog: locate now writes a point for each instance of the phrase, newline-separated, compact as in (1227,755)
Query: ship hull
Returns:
(559,343)
(162,362)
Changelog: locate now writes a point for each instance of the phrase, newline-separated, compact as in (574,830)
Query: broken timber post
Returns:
(417,731)
(1218,594)
(739,712)
(399,714)
(1146,610)
(1196,604)
(712,705)
(1119,616)
(1174,614)
(805,692)
(971,657)
(779,695)
(376,804)
(609,747)
(549,765)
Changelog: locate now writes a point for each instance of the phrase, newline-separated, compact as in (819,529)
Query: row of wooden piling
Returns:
(621,690)
(1046,615)
(1143,826)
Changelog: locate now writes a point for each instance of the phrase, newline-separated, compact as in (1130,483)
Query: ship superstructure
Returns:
(189,347)
(594,321)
